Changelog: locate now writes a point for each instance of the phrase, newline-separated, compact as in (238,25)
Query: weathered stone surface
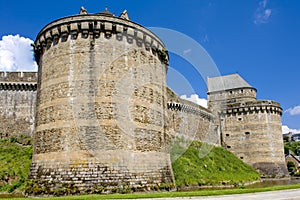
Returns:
(17,102)
(106,119)
(100,108)
(250,128)
(187,120)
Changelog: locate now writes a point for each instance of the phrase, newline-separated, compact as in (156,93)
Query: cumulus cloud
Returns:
(16,54)
(195,98)
(294,111)
(286,129)
(262,13)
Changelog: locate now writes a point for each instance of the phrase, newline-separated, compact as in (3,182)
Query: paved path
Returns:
(275,195)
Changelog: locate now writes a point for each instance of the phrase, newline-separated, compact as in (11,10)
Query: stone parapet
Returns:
(93,26)
(254,106)
(18,77)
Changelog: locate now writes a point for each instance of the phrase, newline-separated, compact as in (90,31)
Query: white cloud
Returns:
(294,111)
(195,98)
(262,13)
(286,129)
(16,54)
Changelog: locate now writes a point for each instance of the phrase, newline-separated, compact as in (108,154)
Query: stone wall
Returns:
(219,100)
(190,121)
(252,131)
(17,102)
(101,105)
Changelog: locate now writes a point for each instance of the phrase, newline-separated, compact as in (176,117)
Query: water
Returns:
(273,182)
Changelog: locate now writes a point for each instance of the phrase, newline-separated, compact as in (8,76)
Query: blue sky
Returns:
(259,39)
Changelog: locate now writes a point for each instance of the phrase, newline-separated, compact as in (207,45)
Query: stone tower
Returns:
(249,128)
(101,101)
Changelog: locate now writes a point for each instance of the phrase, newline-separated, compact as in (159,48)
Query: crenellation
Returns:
(95,26)
(106,119)
(249,128)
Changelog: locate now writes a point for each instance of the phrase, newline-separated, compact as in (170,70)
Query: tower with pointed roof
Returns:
(248,127)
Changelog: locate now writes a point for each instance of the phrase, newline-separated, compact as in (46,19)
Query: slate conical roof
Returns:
(229,82)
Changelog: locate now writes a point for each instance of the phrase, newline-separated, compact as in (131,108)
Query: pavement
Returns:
(293,194)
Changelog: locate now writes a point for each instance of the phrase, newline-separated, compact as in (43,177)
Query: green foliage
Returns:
(290,166)
(203,164)
(15,161)
(293,147)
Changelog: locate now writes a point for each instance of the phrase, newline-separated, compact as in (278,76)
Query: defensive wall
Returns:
(103,116)
(17,102)
(190,121)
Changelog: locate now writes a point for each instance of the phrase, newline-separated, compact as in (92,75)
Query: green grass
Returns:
(170,194)
(15,161)
(203,164)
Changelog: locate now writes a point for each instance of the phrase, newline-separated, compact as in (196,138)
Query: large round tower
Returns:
(100,105)
(249,128)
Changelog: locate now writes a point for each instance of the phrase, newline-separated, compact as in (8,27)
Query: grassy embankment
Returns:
(198,165)
(205,165)
(15,161)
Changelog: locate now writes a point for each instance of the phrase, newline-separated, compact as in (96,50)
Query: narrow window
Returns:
(242,157)
(227,135)
(228,147)
(247,133)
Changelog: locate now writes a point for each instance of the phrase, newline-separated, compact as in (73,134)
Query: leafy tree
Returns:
(290,166)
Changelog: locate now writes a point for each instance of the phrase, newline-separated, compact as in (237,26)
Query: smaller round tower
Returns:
(249,128)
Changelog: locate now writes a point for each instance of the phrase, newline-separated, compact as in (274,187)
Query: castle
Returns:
(101,113)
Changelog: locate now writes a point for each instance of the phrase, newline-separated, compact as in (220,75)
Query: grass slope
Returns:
(203,164)
(15,161)
(199,164)
(170,194)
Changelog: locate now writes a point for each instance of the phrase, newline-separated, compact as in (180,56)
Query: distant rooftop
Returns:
(228,82)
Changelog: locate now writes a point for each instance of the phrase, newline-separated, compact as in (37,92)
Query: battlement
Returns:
(254,107)
(95,25)
(18,77)
(18,81)
(174,106)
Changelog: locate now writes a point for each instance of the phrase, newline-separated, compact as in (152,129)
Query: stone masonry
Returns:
(249,128)
(17,102)
(102,116)
(100,105)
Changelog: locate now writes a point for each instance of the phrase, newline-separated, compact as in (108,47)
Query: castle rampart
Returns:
(17,102)
(187,120)
(105,119)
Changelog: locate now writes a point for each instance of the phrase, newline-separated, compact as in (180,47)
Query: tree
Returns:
(290,166)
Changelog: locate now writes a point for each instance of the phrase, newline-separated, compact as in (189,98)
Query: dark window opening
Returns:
(227,134)
(228,147)
(247,133)
(240,119)
(242,157)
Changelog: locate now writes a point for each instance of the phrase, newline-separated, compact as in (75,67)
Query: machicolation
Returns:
(102,115)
